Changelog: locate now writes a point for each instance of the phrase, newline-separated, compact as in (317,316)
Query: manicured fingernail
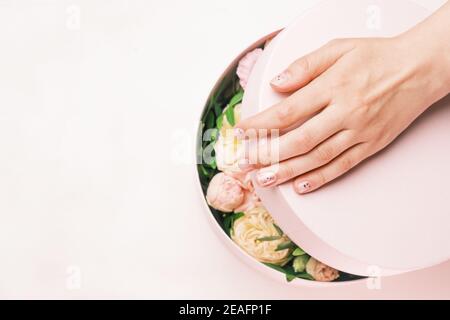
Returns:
(266,178)
(280,79)
(303,187)
(239,133)
(244,165)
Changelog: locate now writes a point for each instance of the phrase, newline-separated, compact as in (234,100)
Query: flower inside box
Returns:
(229,191)
(357,225)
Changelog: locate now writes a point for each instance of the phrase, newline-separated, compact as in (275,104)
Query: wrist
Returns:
(428,55)
(429,43)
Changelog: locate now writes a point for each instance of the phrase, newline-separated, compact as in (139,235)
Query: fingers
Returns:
(309,67)
(299,106)
(298,141)
(294,167)
(315,179)
(310,134)
(304,103)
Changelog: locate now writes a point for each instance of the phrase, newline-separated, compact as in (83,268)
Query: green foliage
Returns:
(285,245)
(271,238)
(289,272)
(279,231)
(298,252)
(228,221)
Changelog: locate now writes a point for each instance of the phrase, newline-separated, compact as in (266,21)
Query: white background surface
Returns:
(90,187)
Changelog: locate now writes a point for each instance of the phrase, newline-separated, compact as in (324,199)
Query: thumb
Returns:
(309,67)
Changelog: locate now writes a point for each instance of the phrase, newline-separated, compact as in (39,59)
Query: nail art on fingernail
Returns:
(303,186)
(280,79)
(266,178)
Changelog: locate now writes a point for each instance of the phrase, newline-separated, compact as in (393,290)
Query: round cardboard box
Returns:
(229,244)
(335,224)
(386,211)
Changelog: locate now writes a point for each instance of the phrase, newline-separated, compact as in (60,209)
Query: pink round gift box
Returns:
(390,215)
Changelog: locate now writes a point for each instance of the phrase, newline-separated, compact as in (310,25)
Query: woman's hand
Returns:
(352,98)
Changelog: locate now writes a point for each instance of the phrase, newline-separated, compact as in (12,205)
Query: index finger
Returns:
(298,107)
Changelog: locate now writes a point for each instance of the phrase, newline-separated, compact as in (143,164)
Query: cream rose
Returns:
(228,148)
(320,271)
(252,231)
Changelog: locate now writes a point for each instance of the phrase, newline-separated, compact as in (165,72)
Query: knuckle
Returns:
(360,111)
(320,178)
(360,101)
(302,65)
(324,154)
(340,83)
(286,172)
(364,101)
(346,164)
(284,112)
(379,136)
(306,141)
(383,138)
(335,88)
(360,116)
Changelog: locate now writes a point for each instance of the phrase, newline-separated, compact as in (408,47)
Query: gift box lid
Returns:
(390,214)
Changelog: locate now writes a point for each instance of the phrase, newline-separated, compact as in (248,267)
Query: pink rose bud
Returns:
(224,193)
(320,271)
(246,65)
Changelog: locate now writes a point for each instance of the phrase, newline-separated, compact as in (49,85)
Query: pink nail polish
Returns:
(280,79)
(303,186)
(265,178)
(239,133)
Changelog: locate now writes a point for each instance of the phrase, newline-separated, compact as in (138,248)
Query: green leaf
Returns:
(237,98)
(217,109)
(219,122)
(285,245)
(238,215)
(210,121)
(204,172)
(229,110)
(290,277)
(289,259)
(289,272)
(280,232)
(271,238)
(213,164)
(304,276)
(229,113)
(228,221)
(298,252)
(275,267)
